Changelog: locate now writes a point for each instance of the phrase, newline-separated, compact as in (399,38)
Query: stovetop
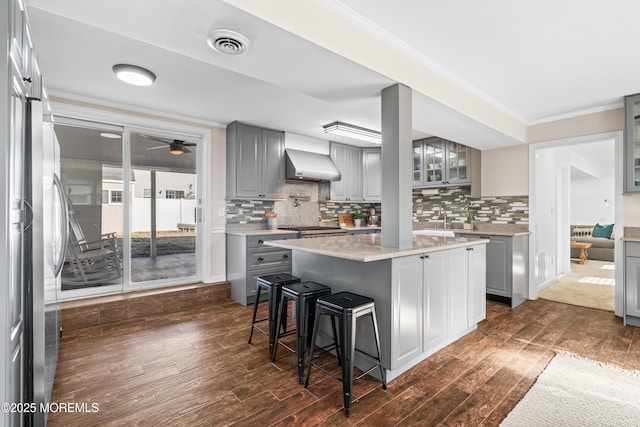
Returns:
(308,228)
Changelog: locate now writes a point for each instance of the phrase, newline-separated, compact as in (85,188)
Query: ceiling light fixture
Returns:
(134,75)
(110,135)
(352,131)
(176,148)
(227,42)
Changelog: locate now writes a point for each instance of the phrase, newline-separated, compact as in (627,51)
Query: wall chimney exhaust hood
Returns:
(307,166)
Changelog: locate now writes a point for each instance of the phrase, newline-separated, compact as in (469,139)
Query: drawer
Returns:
(257,241)
(632,249)
(262,258)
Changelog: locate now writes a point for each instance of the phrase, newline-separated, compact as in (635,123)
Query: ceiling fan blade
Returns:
(155,148)
(156,139)
(189,144)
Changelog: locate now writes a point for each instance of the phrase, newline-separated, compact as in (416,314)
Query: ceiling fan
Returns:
(176,146)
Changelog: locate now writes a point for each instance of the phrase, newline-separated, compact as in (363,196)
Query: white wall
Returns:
(306,143)
(588,198)
(545,214)
(505,171)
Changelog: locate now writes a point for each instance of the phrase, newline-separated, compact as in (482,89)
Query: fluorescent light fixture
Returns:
(134,75)
(110,135)
(352,131)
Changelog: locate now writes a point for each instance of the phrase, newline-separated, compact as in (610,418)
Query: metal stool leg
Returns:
(313,345)
(284,302)
(383,375)
(255,310)
(349,342)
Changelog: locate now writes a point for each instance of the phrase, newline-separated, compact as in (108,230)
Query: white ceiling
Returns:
(527,62)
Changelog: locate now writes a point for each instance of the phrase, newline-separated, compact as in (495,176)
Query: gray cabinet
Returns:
(372,175)
(632,283)
(255,162)
(248,258)
(363,230)
(632,143)
(506,269)
(438,162)
(348,159)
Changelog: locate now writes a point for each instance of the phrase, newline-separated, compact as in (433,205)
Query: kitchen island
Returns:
(426,296)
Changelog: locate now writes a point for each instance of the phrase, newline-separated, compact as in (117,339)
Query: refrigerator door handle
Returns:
(65,223)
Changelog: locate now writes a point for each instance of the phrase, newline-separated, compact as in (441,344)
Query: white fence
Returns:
(169,213)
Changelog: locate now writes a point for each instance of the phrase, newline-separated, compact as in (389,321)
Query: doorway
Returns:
(134,197)
(577,187)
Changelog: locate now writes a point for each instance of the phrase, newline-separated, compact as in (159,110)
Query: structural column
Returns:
(396,166)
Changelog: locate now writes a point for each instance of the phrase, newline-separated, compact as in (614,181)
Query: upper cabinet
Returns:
(255,162)
(438,163)
(372,175)
(348,159)
(361,170)
(632,143)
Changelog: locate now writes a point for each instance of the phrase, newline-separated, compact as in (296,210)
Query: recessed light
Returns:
(110,135)
(134,75)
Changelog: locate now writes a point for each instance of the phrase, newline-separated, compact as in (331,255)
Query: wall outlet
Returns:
(220,211)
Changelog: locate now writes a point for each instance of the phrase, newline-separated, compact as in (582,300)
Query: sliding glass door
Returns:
(163,207)
(133,204)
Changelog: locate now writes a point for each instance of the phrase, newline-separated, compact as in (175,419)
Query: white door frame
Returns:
(170,126)
(617,136)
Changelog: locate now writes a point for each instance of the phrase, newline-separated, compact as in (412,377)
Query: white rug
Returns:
(574,391)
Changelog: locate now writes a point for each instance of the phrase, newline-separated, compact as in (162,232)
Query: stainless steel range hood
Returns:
(303,165)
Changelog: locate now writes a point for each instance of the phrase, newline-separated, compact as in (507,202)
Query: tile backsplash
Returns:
(494,210)
(302,207)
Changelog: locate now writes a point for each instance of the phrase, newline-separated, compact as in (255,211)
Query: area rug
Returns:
(575,391)
(589,285)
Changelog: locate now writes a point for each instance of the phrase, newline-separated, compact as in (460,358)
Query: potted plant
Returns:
(357,218)
(467,206)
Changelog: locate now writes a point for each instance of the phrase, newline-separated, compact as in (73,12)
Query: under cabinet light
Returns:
(352,131)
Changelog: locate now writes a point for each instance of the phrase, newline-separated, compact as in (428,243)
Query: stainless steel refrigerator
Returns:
(45,239)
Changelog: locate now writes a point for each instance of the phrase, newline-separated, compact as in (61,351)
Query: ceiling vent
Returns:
(228,42)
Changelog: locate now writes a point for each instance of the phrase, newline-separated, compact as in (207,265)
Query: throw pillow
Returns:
(603,231)
(582,231)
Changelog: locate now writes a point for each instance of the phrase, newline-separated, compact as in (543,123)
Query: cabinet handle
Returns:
(260,241)
(285,256)
(469,249)
(260,258)
(27,79)
(426,257)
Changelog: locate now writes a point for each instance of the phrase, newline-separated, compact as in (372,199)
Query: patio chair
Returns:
(90,262)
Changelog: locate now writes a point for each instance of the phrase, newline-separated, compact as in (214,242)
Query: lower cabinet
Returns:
(248,258)
(352,232)
(507,274)
(437,297)
(632,283)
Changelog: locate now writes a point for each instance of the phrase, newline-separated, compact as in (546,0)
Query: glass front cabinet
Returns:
(632,143)
(438,162)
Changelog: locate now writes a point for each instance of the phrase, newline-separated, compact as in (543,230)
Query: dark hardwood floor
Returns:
(195,368)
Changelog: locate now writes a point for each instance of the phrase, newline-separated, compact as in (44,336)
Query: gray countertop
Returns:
(507,233)
(257,232)
(366,248)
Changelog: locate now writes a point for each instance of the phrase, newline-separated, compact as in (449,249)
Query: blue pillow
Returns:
(603,231)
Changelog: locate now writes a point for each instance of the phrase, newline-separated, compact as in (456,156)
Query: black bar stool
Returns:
(304,297)
(273,285)
(347,307)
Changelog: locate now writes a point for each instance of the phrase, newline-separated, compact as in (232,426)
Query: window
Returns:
(146,193)
(115,196)
(174,194)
